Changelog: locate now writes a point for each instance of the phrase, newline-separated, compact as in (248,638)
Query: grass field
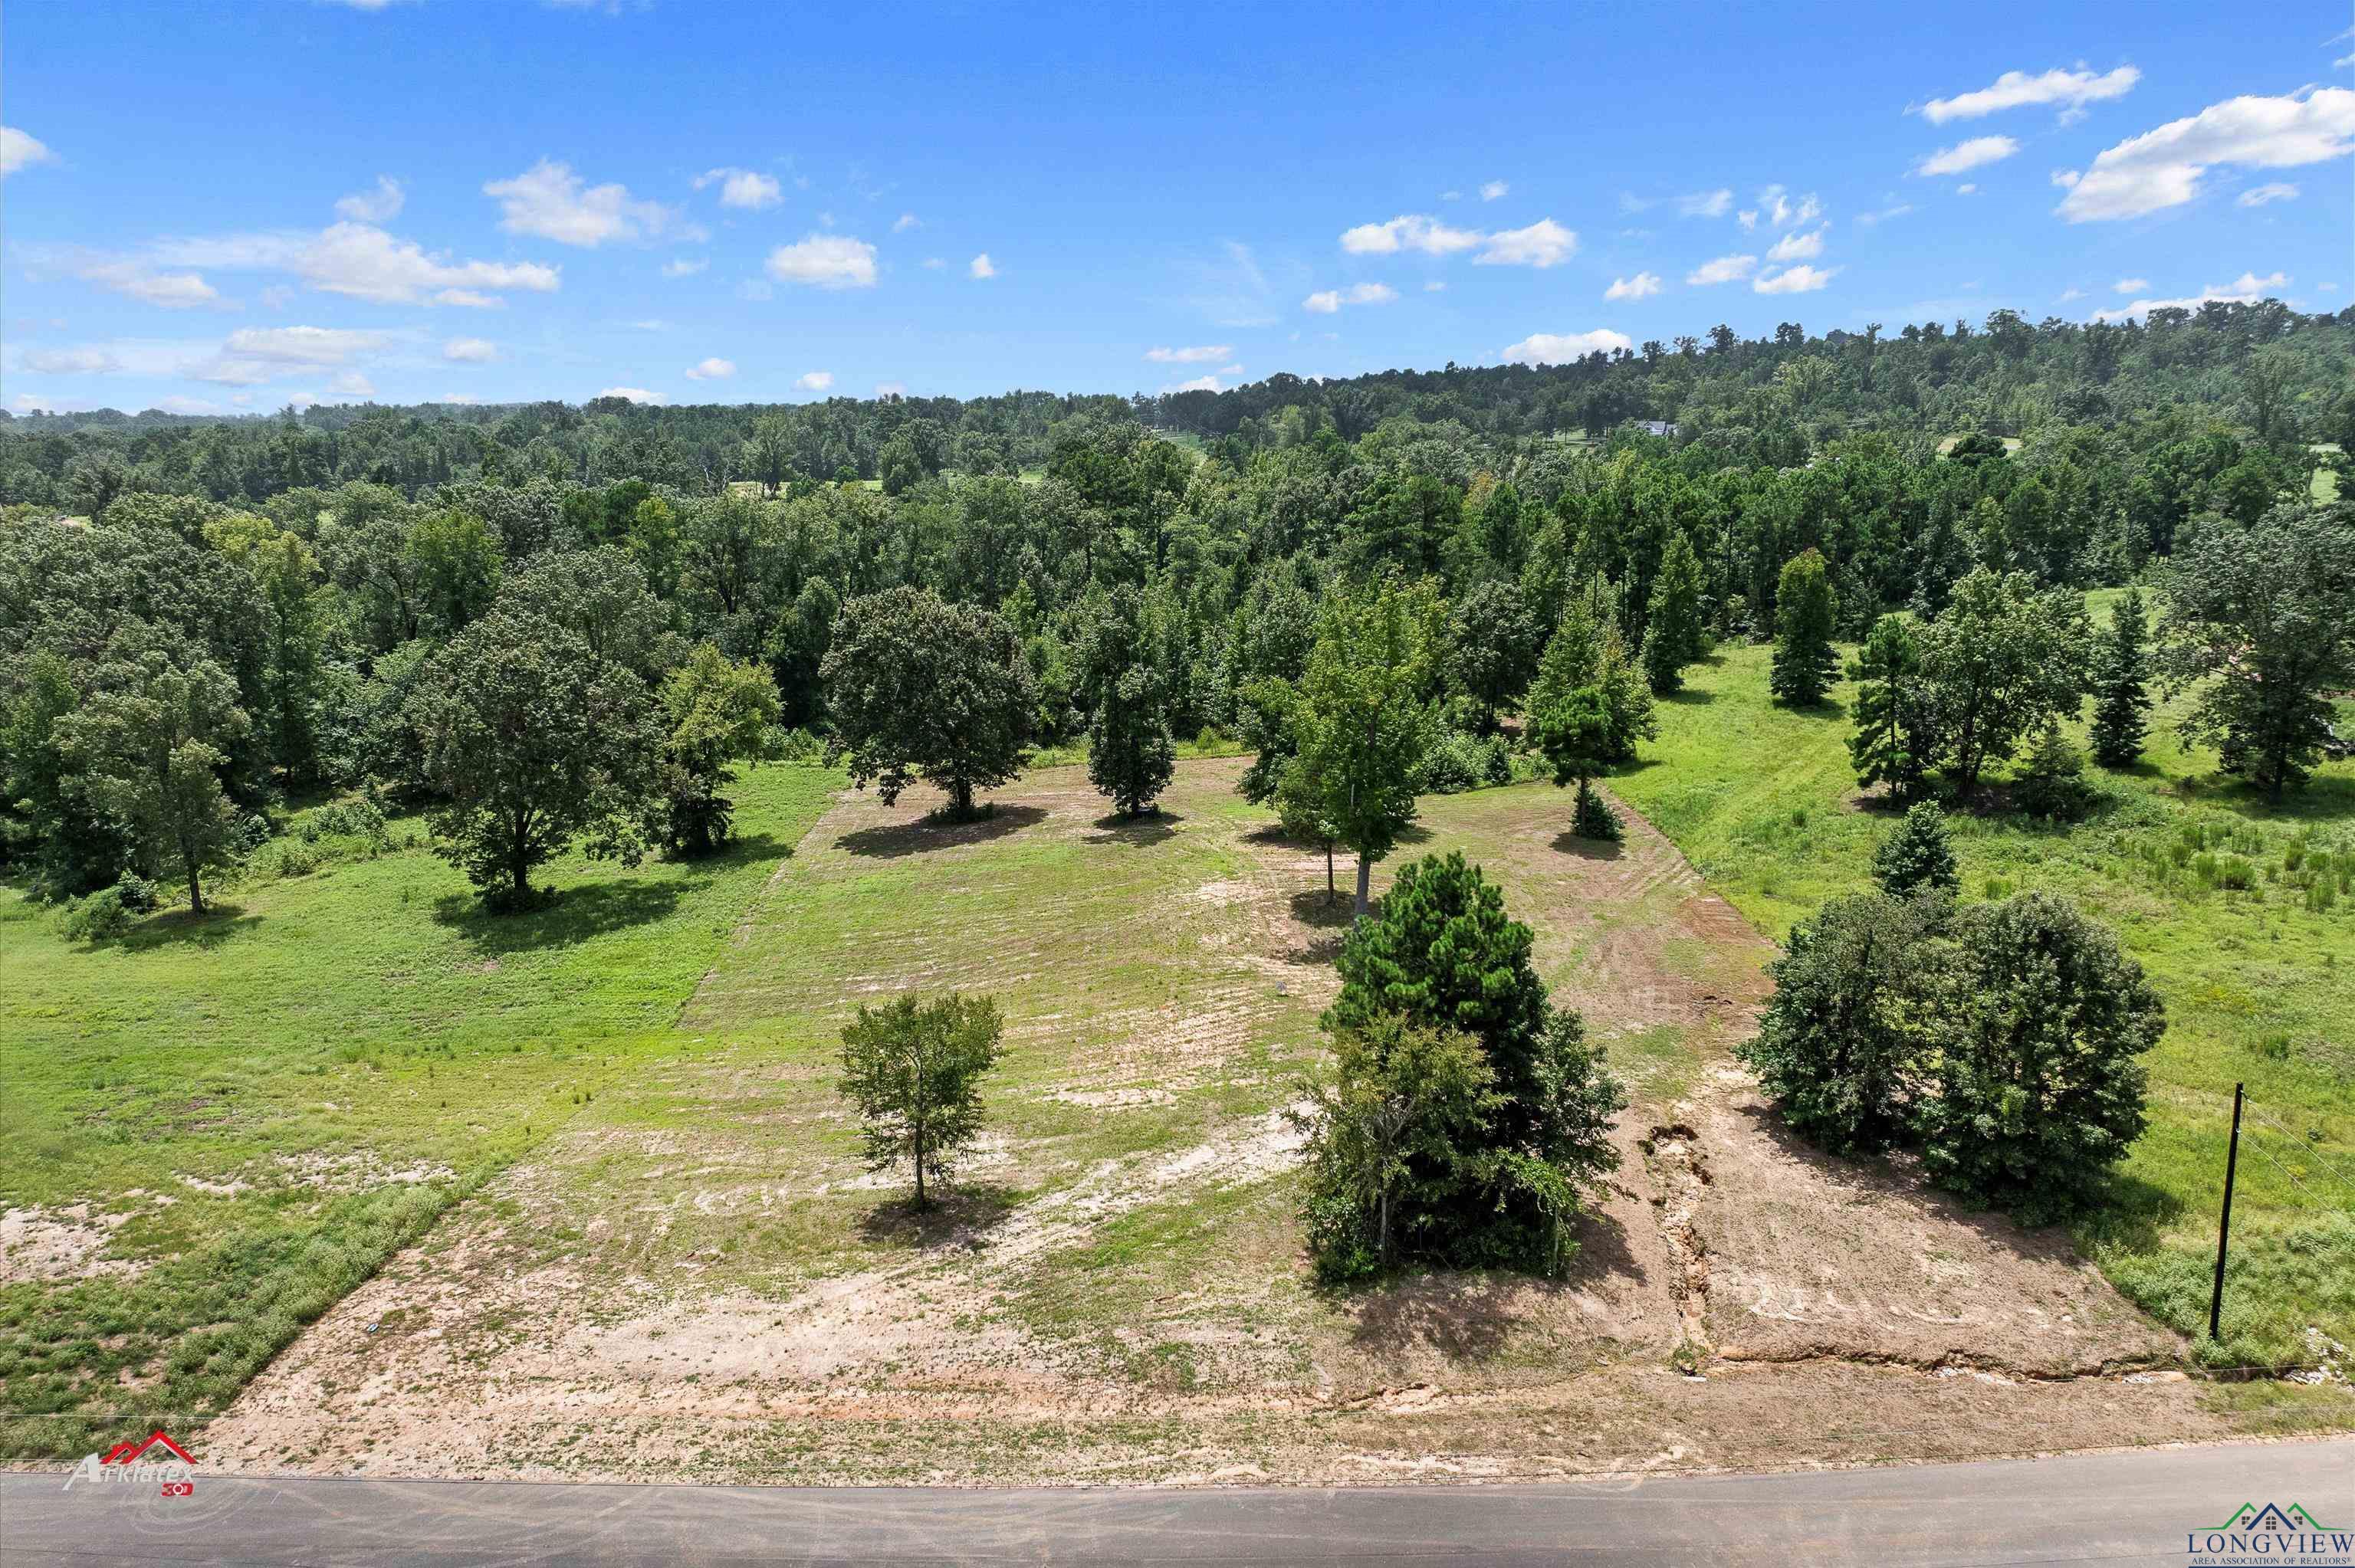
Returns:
(2259,986)
(213,1128)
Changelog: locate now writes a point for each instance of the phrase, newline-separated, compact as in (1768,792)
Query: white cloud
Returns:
(2279,190)
(1642,286)
(1775,204)
(549,200)
(884,389)
(461,398)
(1560,348)
(1706,204)
(352,384)
(1749,218)
(1797,245)
(1725,270)
(824,262)
(1974,153)
(173,290)
(1200,383)
(741,188)
(712,369)
(2131,285)
(1799,280)
(906,222)
(1436,286)
(469,351)
(472,298)
(1324,301)
(302,344)
(2071,293)
(635,394)
(72,361)
(2162,168)
(1330,299)
(1966,188)
(177,404)
(19,151)
(2247,289)
(933,263)
(1544,243)
(685,266)
(980,267)
(376,205)
(1408,232)
(359,260)
(2016,89)
(1494,189)
(1896,209)
(1198,356)
(822,380)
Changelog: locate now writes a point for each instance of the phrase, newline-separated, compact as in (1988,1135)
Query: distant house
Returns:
(1659,427)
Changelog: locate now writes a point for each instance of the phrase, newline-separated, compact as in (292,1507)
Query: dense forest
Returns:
(273,606)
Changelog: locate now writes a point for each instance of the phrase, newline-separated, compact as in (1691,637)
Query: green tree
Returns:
(1998,661)
(2121,685)
(1842,1044)
(530,742)
(1131,757)
(1804,664)
(1917,855)
(719,713)
(914,1070)
(1363,725)
(1488,649)
(456,560)
(1586,710)
(2265,616)
(143,751)
(1674,635)
(922,689)
(1889,746)
(2036,1078)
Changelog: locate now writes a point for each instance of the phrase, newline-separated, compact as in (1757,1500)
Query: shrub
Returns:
(138,895)
(1455,763)
(1496,760)
(2051,780)
(249,833)
(1592,818)
(1917,855)
(97,917)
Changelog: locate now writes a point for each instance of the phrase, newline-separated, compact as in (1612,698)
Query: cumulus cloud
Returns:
(741,188)
(19,151)
(173,290)
(1330,299)
(712,369)
(1544,243)
(302,344)
(906,222)
(2247,289)
(1408,232)
(2016,90)
(458,398)
(1562,348)
(2279,190)
(1799,280)
(824,262)
(884,389)
(1974,153)
(72,361)
(635,394)
(1798,246)
(685,266)
(1725,270)
(1706,204)
(1200,383)
(469,351)
(1494,189)
(361,260)
(376,206)
(550,201)
(1775,206)
(1642,286)
(821,380)
(2163,168)
(2131,285)
(352,384)
(980,267)
(1201,355)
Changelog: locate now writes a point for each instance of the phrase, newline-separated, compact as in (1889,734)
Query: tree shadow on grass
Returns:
(1324,910)
(938,833)
(178,928)
(1567,841)
(1143,831)
(1465,1317)
(958,1216)
(561,916)
(1689,698)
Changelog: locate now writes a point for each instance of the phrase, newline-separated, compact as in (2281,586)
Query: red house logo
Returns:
(155,1457)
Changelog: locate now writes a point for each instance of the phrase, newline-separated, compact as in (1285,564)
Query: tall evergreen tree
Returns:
(1131,757)
(1673,633)
(1804,617)
(1889,745)
(2121,677)
(1917,855)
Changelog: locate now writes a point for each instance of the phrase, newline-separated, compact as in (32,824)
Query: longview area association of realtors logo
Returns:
(2272,1535)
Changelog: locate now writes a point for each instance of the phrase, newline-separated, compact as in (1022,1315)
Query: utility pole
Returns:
(2224,1225)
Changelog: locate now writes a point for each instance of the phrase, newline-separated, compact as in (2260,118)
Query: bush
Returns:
(1455,763)
(1917,855)
(97,917)
(1592,818)
(138,895)
(1495,760)
(353,819)
(796,745)
(2051,780)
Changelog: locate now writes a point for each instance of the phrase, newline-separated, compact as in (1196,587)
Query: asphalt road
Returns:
(2096,1508)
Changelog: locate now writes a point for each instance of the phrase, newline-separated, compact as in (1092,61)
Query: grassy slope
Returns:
(2257,987)
(302,1051)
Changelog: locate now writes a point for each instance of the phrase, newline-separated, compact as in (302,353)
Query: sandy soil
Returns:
(1836,1313)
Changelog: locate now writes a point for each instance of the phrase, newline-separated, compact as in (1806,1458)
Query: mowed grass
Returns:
(228,1123)
(2259,984)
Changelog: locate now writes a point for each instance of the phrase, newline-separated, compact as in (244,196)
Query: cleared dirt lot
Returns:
(698,1279)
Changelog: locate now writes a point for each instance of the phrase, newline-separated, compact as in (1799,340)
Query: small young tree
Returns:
(1131,757)
(1573,720)
(915,1070)
(1842,1042)
(2038,1082)
(1673,632)
(1404,1109)
(719,713)
(1364,727)
(1996,663)
(1889,746)
(144,752)
(531,743)
(1917,855)
(920,688)
(2121,685)
(1804,664)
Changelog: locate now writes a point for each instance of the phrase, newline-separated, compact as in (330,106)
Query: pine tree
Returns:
(1803,664)
(1917,855)
(1889,745)
(1131,757)
(2121,698)
(1672,635)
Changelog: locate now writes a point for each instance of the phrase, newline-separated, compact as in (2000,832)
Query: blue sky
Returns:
(229,207)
